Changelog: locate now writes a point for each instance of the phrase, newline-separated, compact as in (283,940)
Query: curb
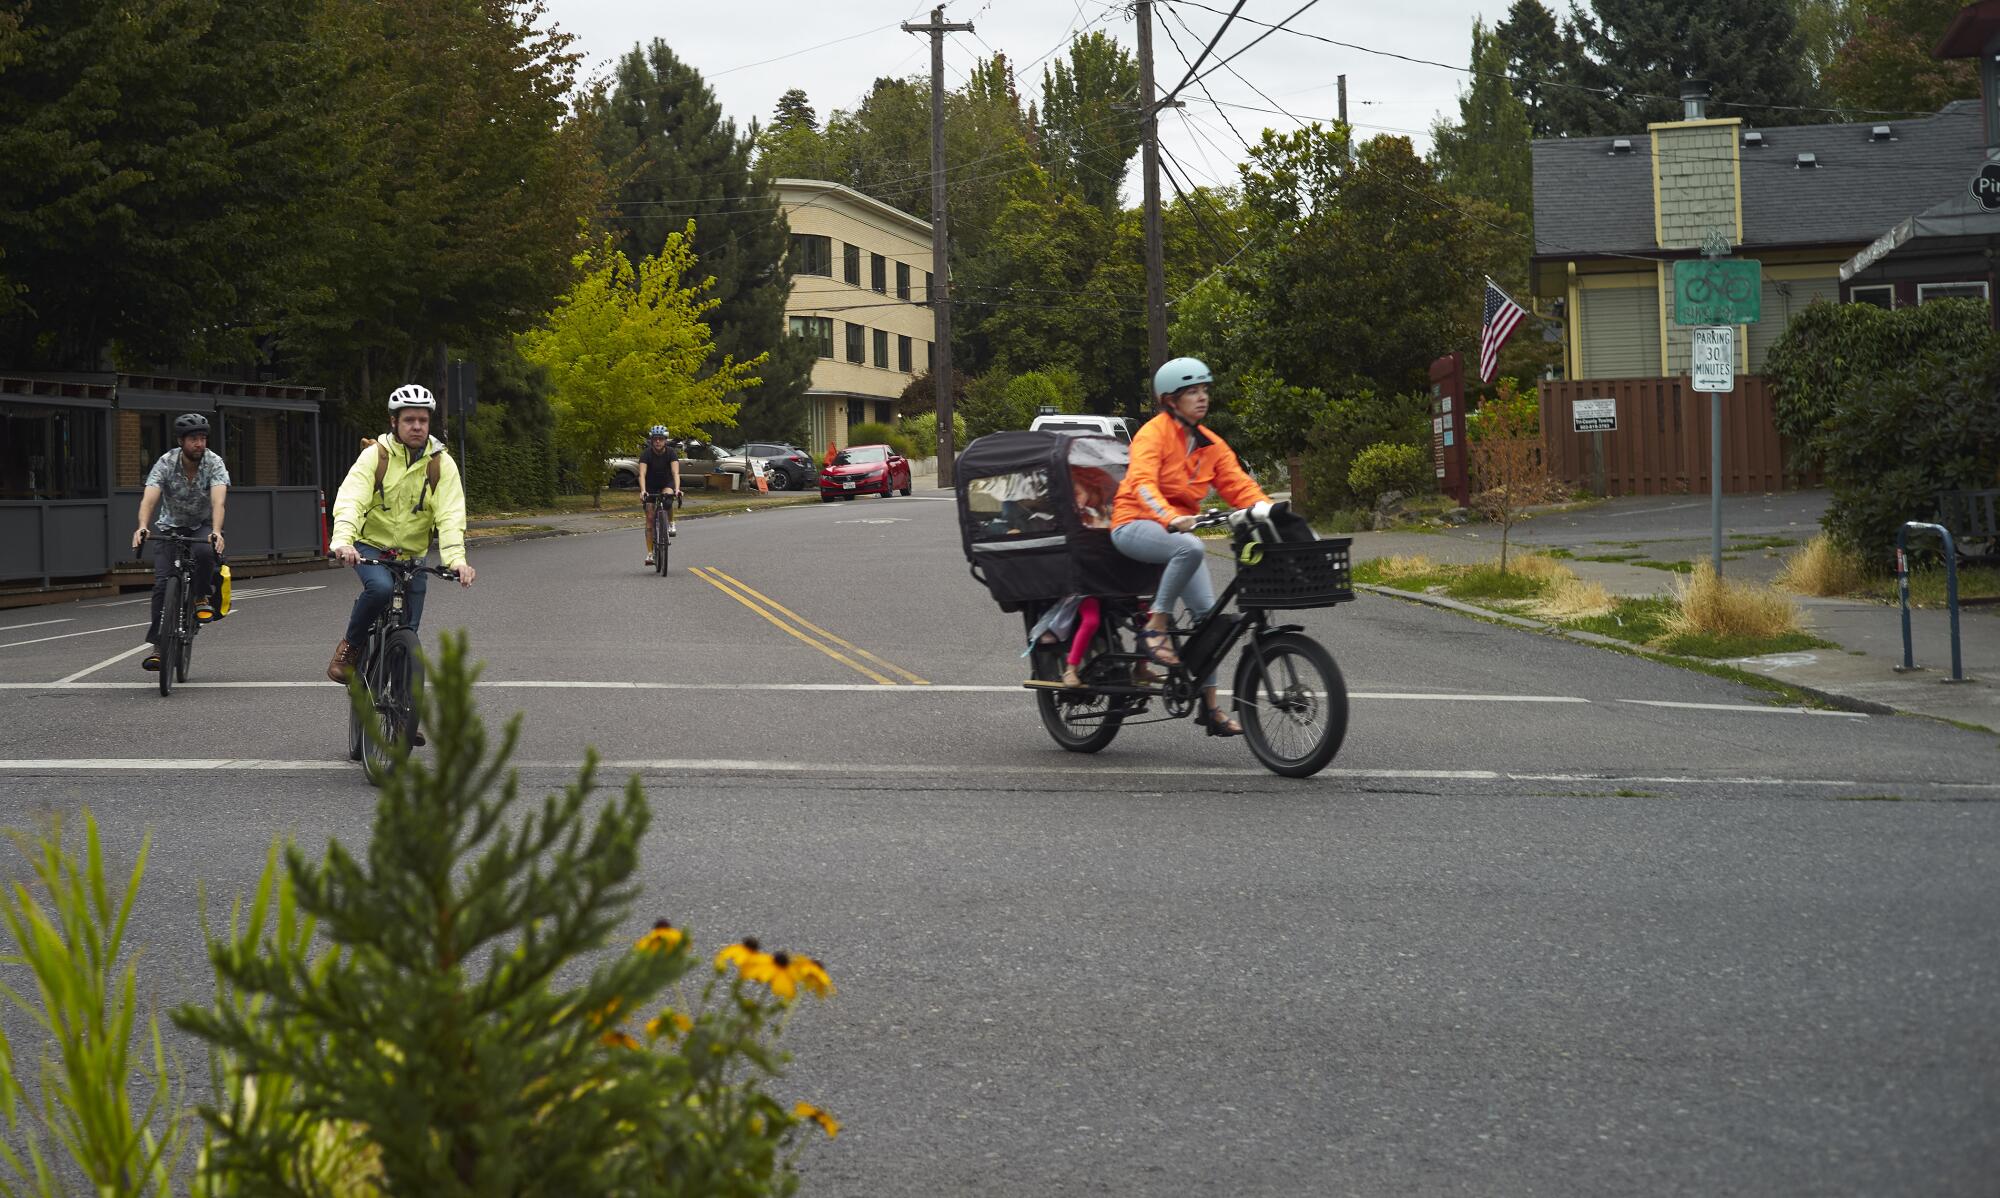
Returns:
(1835,699)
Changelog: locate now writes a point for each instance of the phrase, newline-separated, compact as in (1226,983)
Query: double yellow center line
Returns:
(819,638)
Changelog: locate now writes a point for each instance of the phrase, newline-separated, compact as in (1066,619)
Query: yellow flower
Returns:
(669,1020)
(618,1039)
(739,954)
(664,938)
(811,975)
(777,974)
(827,1123)
(605,1015)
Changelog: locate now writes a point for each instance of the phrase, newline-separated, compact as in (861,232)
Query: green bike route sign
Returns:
(1718,291)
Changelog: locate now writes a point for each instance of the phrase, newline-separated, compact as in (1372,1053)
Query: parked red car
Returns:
(864,470)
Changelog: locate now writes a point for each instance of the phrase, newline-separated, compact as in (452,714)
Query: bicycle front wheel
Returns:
(169,644)
(1293,703)
(662,521)
(184,660)
(397,680)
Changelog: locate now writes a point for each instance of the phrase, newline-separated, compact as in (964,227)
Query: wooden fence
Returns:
(1661,446)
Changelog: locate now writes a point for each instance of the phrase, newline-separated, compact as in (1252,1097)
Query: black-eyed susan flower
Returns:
(811,975)
(777,974)
(669,1022)
(827,1123)
(738,954)
(664,938)
(618,1039)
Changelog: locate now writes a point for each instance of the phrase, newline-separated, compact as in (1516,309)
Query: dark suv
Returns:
(786,466)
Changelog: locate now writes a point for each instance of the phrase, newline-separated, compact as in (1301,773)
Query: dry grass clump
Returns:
(1574,599)
(1823,567)
(1410,565)
(1541,567)
(1712,606)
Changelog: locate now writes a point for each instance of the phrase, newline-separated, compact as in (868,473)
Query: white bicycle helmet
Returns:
(411,395)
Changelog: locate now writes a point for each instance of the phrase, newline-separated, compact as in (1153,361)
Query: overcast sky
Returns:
(731,44)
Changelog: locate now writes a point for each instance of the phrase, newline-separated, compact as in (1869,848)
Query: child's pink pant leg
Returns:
(1086,627)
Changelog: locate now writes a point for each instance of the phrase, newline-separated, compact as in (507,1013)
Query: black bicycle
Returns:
(1289,694)
(178,622)
(391,674)
(662,516)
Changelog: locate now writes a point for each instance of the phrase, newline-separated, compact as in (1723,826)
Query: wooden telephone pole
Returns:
(940,293)
(1149,143)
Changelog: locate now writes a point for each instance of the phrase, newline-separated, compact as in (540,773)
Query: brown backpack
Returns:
(431,469)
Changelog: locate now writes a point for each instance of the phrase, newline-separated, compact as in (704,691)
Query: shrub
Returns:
(1345,426)
(1894,406)
(873,432)
(999,400)
(506,470)
(1390,466)
(921,432)
(462,1020)
(1519,410)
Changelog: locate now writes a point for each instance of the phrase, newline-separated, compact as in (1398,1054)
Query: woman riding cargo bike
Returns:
(1051,522)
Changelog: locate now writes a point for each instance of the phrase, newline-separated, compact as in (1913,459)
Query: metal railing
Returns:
(1950,590)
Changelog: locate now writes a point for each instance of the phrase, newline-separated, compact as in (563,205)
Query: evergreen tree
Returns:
(1532,47)
(673,157)
(1748,51)
(1486,152)
(795,112)
(1088,127)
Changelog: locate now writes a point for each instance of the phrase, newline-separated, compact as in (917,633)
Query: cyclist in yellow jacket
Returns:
(393,511)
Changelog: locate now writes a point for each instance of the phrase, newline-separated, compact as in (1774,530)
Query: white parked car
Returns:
(1084,424)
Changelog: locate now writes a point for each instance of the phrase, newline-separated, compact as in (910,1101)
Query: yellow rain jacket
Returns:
(407,511)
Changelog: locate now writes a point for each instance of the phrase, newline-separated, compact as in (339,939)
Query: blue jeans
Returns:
(376,589)
(1186,575)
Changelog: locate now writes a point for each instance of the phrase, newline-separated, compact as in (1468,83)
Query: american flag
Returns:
(1503,316)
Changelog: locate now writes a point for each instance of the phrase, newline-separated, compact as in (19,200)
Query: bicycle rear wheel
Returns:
(397,680)
(1079,721)
(169,644)
(1293,703)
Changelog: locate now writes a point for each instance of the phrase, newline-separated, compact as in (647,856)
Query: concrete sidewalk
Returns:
(1860,674)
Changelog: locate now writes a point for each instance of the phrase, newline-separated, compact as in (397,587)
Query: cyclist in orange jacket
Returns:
(1175,464)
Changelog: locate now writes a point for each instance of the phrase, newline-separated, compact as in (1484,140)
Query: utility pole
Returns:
(940,294)
(1149,142)
(1343,98)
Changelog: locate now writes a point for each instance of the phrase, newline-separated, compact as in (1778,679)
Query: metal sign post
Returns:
(1596,417)
(1715,373)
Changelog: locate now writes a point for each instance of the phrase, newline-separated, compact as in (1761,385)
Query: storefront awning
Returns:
(1958,225)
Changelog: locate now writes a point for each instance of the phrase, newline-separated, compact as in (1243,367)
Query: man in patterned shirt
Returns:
(186,488)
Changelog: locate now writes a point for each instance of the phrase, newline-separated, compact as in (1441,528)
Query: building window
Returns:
(850,263)
(1882,297)
(266,448)
(816,329)
(51,452)
(884,411)
(1926,292)
(812,254)
(882,348)
(856,413)
(903,354)
(902,280)
(878,273)
(856,335)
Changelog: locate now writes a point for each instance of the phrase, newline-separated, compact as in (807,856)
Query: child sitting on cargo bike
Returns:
(1049,520)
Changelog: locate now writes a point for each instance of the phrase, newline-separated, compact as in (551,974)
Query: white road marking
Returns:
(63,636)
(691,765)
(1852,715)
(36,624)
(1456,698)
(109,661)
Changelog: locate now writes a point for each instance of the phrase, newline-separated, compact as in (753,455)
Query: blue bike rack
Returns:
(1950,590)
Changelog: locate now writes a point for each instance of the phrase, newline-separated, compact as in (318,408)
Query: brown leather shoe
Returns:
(342,664)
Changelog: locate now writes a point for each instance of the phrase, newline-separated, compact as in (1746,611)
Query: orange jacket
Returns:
(1165,480)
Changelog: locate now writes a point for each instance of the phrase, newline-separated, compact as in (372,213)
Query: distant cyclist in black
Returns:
(659,475)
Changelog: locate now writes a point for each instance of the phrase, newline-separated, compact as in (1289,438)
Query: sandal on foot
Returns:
(1217,723)
(1156,645)
(1071,678)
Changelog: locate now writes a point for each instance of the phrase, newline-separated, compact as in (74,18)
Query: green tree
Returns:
(153,187)
(1532,46)
(628,348)
(1824,27)
(795,112)
(1886,63)
(1486,152)
(674,157)
(1747,50)
(1089,125)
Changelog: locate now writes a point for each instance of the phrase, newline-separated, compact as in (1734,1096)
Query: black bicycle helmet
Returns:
(189,423)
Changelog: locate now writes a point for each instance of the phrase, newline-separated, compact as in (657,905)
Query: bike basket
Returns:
(1294,574)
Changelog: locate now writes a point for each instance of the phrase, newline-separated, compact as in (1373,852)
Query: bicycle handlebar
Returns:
(412,566)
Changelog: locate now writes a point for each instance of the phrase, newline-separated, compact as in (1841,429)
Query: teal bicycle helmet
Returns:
(1180,373)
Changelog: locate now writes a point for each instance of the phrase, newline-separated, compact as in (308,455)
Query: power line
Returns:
(1168,30)
(1268,31)
(1205,51)
(1607,93)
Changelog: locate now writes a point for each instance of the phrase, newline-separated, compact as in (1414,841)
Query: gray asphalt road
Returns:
(1558,921)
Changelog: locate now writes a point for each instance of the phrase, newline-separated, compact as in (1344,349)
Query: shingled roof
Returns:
(1589,201)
